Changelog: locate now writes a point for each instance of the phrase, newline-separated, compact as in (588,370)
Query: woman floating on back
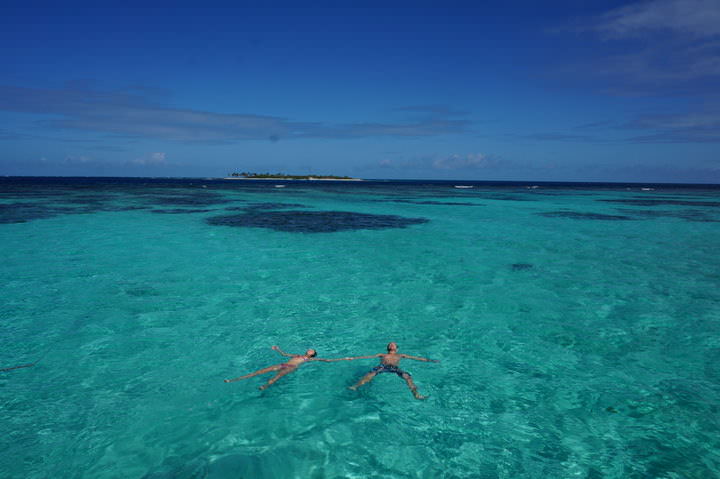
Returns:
(286,367)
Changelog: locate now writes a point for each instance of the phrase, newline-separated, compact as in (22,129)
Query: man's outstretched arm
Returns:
(418,358)
(363,357)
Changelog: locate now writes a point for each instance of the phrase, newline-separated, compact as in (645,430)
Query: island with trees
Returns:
(282,176)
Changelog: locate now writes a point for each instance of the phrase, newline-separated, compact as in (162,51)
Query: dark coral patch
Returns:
(24,212)
(663,202)
(22,194)
(576,215)
(521,266)
(104,208)
(431,202)
(696,216)
(178,211)
(142,291)
(196,199)
(509,198)
(272,206)
(494,195)
(88,198)
(446,203)
(250,207)
(126,208)
(314,221)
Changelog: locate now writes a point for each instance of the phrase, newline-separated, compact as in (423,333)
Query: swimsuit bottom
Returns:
(287,366)
(389,368)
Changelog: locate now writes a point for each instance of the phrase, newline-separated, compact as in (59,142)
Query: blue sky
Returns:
(560,91)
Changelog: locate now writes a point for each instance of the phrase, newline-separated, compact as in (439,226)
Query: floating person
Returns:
(286,367)
(390,363)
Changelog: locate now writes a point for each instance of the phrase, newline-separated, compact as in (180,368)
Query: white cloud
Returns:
(386,163)
(151,159)
(459,162)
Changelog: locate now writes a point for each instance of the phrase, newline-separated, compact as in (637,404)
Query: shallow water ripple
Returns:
(573,342)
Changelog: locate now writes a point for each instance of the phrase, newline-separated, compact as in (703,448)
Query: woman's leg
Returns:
(259,371)
(282,372)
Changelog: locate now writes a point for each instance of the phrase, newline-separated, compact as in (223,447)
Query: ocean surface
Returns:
(577,325)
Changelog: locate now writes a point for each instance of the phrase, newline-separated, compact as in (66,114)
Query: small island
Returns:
(283,176)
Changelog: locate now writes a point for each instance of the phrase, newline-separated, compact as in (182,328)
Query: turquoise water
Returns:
(578,330)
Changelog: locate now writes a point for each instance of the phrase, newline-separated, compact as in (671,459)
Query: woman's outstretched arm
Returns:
(277,348)
(341,359)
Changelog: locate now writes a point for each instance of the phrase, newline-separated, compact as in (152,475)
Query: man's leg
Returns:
(365,379)
(411,385)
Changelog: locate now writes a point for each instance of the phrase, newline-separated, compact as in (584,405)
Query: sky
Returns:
(579,90)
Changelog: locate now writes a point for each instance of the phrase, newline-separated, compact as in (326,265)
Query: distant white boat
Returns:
(279,186)
(464,187)
(647,189)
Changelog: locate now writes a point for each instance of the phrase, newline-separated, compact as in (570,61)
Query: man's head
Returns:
(392,347)
(311,353)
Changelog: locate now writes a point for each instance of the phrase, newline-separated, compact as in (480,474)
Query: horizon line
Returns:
(457,180)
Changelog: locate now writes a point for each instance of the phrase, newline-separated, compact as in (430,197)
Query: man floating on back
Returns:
(390,363)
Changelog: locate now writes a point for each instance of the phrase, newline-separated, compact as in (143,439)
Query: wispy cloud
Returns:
(470,161)
(9,135)
(560,136)
(436,110)
(596,125)
(696,18)
(670,46)
(689,127)
(128,113)
(695,127)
